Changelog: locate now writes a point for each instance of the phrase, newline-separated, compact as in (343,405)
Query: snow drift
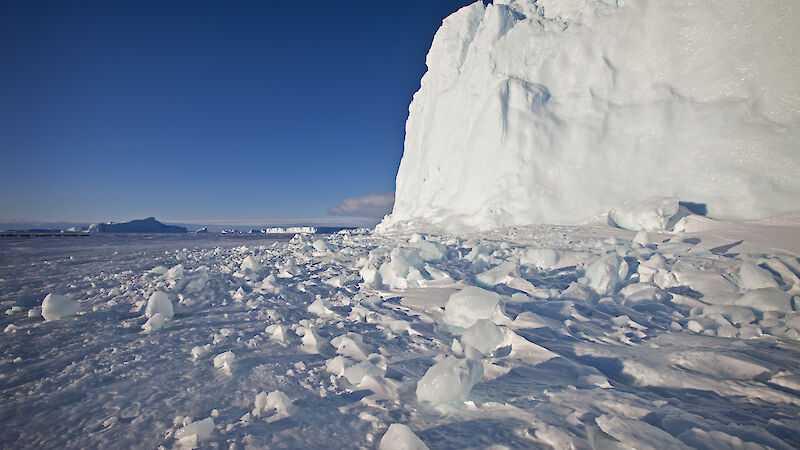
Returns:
(555,111)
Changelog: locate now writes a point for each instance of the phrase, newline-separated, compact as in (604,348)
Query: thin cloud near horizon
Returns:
(370,205)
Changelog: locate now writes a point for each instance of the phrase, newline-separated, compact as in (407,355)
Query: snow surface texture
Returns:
(558,110)
(539,337)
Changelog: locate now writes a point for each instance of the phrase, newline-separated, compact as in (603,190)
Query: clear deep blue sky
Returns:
(197,110)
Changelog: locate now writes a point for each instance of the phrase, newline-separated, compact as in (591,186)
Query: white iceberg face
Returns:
(556,111)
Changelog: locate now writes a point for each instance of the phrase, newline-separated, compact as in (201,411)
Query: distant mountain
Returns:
(149,225)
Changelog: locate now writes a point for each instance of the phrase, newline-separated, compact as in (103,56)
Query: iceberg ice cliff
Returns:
(553,111)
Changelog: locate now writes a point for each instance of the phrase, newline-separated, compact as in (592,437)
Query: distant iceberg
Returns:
(288,230)
(149,225)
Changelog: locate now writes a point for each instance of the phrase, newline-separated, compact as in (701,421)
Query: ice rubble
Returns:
(560,336)
(555,111)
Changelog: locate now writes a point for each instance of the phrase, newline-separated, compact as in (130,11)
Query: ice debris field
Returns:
(543,336)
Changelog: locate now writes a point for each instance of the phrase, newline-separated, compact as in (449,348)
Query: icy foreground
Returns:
(558,110)
(563,337)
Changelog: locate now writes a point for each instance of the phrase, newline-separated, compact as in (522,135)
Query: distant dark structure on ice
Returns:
(149,225)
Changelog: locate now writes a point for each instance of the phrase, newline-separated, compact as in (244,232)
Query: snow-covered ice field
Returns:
(543,336)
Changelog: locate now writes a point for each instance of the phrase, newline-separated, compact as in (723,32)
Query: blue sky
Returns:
(205,111)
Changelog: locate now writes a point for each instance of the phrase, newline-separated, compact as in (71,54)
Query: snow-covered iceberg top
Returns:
(149,225)
(555,111)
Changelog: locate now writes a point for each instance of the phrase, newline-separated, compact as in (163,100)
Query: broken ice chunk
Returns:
(449,381)
(251,266)
(400,437)
(352,345)
(274,401)
(483,335)
(224,361)
(311,342)
(356,373)
(338,365)
(154,323)
(501,273)
(650,215)
(55,307)
(195,432)
(277,332)
(159,302)
(470,304)
(752,276)
(767,299)
(607,273)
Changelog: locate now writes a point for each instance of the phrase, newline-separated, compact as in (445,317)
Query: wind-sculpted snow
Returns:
(555,111)
(561,337)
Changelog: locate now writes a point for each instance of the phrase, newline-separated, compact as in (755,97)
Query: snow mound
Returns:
(55,307)
(555,111)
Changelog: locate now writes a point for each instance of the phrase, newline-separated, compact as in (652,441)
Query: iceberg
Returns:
(149,225)
(555,111)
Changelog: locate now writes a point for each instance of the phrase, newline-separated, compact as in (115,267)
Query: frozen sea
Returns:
(535,337)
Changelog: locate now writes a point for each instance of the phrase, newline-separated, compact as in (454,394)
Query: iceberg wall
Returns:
(554,111)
